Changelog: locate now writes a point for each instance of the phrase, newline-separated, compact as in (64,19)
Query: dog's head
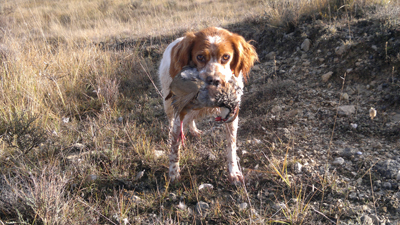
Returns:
(217,54)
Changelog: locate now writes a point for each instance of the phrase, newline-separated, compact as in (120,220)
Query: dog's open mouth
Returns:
(228,115)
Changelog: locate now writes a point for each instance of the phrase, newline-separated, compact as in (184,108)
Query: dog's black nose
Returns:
(213,80)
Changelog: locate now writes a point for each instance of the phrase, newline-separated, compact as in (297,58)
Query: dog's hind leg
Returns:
(189,121)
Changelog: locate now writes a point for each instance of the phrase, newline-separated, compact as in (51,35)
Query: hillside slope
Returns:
(83,134)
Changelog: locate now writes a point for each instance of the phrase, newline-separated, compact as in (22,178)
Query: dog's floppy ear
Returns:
(181,54)
(244,57)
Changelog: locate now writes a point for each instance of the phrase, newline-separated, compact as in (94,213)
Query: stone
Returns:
(346,110)
(366,220)
(172,196)
(276,109)
(398,176)
(65,119)
(326,76)
(338,161)
(395,118)
(377,145)
(344,96)
(388,168)
(372,113)
(206,186)
(136,199)
(202,207)
(256,68)
(271,55)
(93,177)
(140,175)
(375,219)
(387,185)
(353,195)
(347,152)
(78,147)
(181,206)
(243,206)
(292,113)
(305,46)
(279,206)
(297,167)
(158,153)
(342,49)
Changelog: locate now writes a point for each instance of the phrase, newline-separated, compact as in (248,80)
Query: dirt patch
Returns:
(288,101)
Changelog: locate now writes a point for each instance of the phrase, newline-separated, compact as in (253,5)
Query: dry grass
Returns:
(101,19)
(79,117)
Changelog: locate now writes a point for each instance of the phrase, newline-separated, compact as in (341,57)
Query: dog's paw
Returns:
(236,177)
(174,172)
(195,132)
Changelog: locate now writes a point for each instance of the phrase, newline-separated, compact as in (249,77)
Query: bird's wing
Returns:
(180,102)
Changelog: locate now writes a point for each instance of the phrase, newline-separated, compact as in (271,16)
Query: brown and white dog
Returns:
(220,57)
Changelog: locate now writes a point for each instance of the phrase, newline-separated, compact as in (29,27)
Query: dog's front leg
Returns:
(235,176)
(174,155)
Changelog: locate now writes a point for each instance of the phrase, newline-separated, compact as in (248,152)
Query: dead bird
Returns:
(189,92)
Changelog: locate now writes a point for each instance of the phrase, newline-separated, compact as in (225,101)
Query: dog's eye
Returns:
(201,58)
(226,57)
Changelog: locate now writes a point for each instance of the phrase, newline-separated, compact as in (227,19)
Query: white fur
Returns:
(214,39)
(165,78)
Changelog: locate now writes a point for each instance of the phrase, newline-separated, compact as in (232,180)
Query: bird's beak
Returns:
(232,115)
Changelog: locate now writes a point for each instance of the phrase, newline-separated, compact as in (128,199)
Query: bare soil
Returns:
(349,162)
(342,166)
(287,101)
(308,147)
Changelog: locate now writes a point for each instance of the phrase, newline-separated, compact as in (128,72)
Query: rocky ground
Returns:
(314,88)
(319,136)
(307,107)
(310,150)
